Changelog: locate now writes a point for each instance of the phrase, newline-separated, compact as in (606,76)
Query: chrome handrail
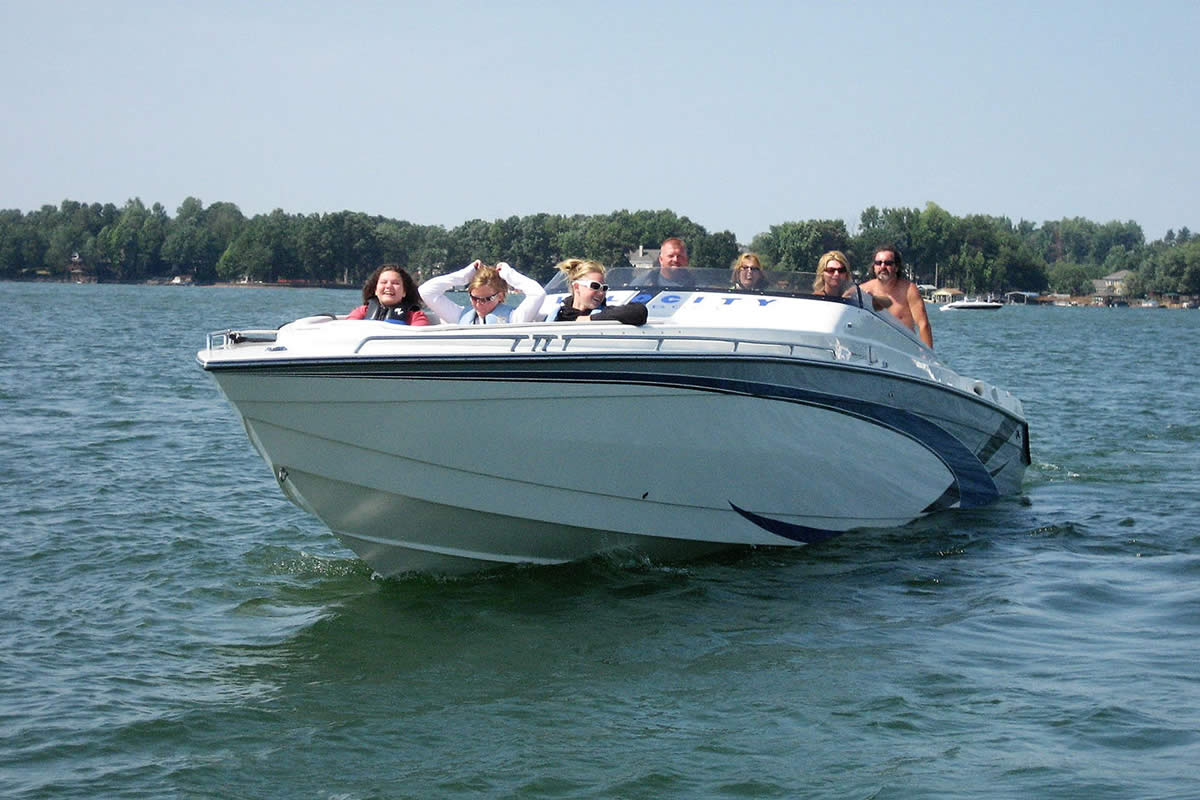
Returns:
(516,338)
(221,340)
(541,341)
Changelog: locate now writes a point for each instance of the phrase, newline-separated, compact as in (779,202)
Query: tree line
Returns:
(977,253)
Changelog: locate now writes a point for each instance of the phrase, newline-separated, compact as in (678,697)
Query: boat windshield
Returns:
(787,283)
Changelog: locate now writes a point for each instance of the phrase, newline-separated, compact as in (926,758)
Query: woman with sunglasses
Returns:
(390,294)
(747,273)
(834,280)
(487,287)
(589,294)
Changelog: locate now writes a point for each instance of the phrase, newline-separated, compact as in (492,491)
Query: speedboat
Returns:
(730,418)
(972,305)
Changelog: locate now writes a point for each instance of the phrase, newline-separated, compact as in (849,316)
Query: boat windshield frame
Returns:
(775,283)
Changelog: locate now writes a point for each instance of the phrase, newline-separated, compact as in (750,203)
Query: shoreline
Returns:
(1081,301)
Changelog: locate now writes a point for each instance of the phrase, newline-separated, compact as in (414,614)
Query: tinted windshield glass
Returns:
(718,280)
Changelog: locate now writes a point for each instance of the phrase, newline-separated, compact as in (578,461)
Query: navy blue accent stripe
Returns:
(949,499)
(998,439)
(788,530)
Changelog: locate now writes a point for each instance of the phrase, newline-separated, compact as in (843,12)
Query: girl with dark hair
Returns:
(391,294)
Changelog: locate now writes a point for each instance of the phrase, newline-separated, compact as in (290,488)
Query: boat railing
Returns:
(547,342)
(219,340)
(737,343)
(514,338)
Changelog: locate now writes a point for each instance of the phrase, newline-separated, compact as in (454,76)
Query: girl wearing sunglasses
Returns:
(834,280)
(747,273)
(589,294)
(487,287)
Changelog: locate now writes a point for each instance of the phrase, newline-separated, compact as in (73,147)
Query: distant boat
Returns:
(972,305)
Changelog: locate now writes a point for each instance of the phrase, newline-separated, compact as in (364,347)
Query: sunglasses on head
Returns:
(595,286)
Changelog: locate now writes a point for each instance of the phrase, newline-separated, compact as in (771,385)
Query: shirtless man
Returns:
(907,303)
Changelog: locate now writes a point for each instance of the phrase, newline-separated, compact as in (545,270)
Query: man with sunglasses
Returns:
(907,304)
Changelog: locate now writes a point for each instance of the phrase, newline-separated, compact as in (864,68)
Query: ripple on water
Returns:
(174,627)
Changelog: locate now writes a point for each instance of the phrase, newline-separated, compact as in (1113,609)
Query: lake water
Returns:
(173,627)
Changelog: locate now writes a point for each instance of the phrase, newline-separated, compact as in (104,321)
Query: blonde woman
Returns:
(589,295)
(487,288)
(834,280)
(747,273)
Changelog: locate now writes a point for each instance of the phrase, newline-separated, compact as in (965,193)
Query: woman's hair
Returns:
(412,298)
(575,268)
(746,258)
(489,276)
(832,255)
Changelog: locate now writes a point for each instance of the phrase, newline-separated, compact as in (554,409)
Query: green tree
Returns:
(607,239)
(1069,278)
(264,250)
(799,245)
(432,257)
(120,244)
(502,237)
(225,222)
(533,252)
(934,239)
(22,248)
(715,251)
(876,227)
(190,248)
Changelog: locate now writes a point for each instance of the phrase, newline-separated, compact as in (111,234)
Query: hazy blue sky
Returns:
(738,115)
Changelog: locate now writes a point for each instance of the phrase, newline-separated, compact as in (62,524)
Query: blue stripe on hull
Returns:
(788,530)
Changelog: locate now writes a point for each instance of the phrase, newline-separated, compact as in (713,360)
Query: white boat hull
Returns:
(668,454)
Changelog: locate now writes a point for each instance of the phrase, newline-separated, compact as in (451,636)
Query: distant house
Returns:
(643,257)
(1106,290)
(1115,284)
(948,295)
(926,290)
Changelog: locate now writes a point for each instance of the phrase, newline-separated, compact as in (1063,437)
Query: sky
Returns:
(738,115)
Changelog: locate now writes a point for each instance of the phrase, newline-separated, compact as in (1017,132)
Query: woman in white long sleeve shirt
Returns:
(487,287)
